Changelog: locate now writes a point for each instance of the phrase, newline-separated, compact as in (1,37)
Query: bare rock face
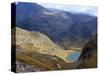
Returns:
(89,54)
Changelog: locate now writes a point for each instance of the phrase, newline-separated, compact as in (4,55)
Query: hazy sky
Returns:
(83,9)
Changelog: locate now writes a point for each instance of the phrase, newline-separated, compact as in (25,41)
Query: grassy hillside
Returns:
(43,62)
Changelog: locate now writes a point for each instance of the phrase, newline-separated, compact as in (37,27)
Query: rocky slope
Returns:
(36,52)
(38,42)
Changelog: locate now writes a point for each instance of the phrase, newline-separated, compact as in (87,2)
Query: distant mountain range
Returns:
(60,26)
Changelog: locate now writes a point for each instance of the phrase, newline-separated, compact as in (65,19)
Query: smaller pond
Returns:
(72,57)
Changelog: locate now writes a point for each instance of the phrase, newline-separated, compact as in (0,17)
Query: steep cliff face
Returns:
(89,55)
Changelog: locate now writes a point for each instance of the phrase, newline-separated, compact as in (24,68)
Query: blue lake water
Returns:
(72,57)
